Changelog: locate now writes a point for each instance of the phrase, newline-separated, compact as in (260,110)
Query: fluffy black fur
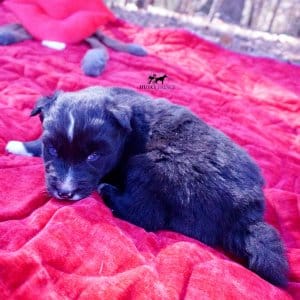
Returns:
(160,167)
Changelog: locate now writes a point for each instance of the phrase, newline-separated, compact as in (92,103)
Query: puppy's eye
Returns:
(93,156)
(52,151)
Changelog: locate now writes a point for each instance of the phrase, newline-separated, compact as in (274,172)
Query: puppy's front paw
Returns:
(16,147)
(107,190)
(108,193)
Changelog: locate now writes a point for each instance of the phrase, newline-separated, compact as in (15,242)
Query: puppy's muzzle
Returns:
(66,194)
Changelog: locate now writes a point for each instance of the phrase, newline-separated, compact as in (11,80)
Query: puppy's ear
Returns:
(121,113)
(43,104)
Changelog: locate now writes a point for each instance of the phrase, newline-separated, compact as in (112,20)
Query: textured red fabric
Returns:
(58,250)
(61,20)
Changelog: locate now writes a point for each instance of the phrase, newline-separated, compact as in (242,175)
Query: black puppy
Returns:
(160,167)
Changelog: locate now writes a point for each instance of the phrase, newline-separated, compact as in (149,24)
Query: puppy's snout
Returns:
(66,194)
(69,186)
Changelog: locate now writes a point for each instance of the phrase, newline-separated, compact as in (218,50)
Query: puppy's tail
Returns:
(260,245)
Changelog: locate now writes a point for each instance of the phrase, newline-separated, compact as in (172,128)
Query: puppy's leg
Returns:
(13,33)
(95,60)
(116,45)
(260,245)
(33,148)
(137,208)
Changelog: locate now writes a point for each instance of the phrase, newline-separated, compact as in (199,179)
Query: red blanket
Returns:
(51,249)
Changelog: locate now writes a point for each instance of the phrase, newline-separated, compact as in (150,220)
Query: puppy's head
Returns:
(83,137)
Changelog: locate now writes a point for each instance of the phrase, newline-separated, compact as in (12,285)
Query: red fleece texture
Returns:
(52,249)
(61,20)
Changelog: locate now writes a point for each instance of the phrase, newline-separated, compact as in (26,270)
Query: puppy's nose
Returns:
(66,194)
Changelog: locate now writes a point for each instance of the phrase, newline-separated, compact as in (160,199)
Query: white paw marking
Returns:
(16,147)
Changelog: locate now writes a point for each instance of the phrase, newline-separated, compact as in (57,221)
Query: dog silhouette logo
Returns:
(154,79)
(156,82)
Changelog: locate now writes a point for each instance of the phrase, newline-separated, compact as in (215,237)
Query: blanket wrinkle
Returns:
(41,202)
(39,231)
(186,281)
(57,249)
(23,243)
